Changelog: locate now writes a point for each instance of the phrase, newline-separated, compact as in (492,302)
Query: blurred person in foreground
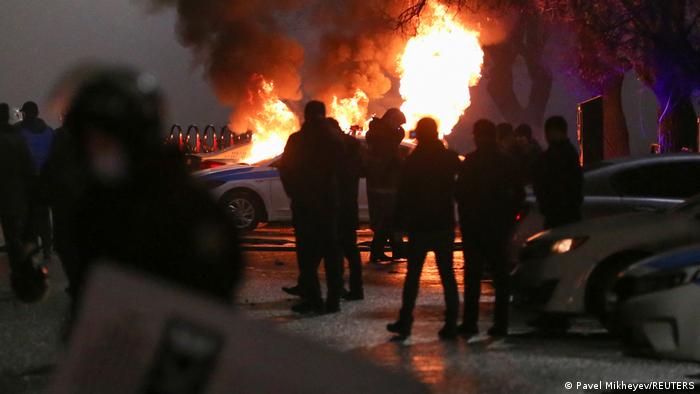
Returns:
(139,207)
(426,209)
(309,171)
(383,172)
(348,221)
(489,195)
(16,177)
(38,136)
(558,177)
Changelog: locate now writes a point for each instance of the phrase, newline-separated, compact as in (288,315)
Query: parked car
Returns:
(659,305)
(573,269)
(253,193)
(639,184)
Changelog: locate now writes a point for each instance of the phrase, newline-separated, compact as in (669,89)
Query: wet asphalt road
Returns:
(525,362)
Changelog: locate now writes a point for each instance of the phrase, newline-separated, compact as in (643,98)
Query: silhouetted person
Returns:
(16,176)
(527,151)
(558,179)
(140,207)
(63,179)
(383,171)
(38,136)
(506,138)
(426,208)
(489,194)
(349,180)
(309,171)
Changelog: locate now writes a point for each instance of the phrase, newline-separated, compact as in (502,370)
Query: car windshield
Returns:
(689,205)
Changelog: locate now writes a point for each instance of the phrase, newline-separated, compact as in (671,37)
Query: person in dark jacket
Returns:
(140,208)
(16,177)
(383,171)
(63,179)
(426,208)
(527,151)
(309,171)
(348,223)
(38,136)
(489,195)
(558,178)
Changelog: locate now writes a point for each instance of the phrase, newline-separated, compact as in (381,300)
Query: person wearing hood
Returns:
(383,171)
(489,194)
(139,207)
(425,207)
(38,137)
(558,177)
(310,171)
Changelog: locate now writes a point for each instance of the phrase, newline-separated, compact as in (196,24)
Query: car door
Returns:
(279,209)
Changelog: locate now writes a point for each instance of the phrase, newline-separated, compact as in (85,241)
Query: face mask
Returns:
(109,166)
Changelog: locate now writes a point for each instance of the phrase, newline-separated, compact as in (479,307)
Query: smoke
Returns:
(245,44)
(241,45)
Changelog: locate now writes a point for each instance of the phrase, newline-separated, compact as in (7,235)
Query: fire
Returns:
(437,67)
(271,124)
(350,111)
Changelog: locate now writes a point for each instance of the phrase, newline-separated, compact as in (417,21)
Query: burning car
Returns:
(659,303)
(253,193)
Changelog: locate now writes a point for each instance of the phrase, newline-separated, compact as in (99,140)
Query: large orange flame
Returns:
(351,111)
(271,124)
(437,68)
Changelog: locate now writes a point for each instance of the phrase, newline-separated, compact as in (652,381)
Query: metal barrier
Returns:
(194,141)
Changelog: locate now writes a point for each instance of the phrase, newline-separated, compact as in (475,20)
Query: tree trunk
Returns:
(615,134)
(678,128)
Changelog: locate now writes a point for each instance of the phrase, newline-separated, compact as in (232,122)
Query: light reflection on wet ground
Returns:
(523,362)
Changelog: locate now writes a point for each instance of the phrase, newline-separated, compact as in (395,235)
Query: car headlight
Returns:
(664,280)
(540,246)
(566,245)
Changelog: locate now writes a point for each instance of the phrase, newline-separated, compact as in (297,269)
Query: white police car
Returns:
(659,308)
(253,194)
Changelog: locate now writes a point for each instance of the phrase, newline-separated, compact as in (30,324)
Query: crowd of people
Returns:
(112,191)
(116,192)
(415,196)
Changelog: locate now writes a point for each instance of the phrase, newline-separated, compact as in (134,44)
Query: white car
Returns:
(660,305)
(254,193)
(572,270)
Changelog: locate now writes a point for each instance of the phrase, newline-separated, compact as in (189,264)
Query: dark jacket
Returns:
(349,177)
(526,158)
(383,160)
(38,136)
(63,182)
(489,192)
(558,184)
(426,191)
(309,170)
(161,223)
(16,171)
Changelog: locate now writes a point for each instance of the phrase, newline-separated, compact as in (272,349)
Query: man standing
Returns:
(489,193)
(349,179)
(383,171)
(558,178)
(38,136)
(426,209)
(309,171)
(528,151)
(16,173)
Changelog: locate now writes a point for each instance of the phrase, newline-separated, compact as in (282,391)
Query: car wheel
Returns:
(244,208)
(603,298)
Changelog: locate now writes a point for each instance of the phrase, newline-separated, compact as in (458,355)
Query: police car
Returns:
(253,193)
(660,305)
